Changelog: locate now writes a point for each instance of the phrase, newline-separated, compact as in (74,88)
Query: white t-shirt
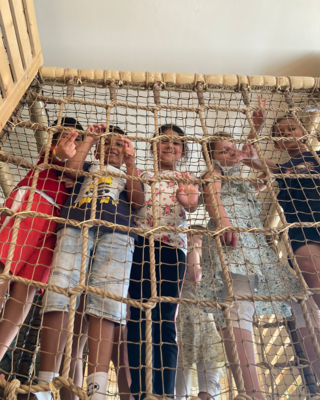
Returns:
(170,211)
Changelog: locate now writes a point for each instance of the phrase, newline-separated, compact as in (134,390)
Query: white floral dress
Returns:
(253,257)
(198,338)
(170,211)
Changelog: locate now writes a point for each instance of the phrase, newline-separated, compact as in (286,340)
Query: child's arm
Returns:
(135,190)
(83,149)
(188,194)
(258,118)
(229,238)
(253,161)
(250,158)
(194,262)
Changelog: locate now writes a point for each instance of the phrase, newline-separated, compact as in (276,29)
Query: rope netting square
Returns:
(172,241)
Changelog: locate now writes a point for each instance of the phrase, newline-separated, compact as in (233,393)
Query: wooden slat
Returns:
(20,25)
(6,82)
(32,26)
(10,39)
(19,89)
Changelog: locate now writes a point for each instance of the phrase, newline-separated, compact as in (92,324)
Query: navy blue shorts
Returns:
(302,236)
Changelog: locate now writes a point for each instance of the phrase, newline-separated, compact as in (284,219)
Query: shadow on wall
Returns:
(308,65)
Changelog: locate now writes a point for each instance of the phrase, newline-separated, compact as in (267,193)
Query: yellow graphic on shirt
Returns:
(104,188)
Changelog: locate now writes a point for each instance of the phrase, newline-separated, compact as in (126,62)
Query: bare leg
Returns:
(53,340)
(101,333)
(119,362)
(80,339)
(308,258)
(244,343)
(14,312)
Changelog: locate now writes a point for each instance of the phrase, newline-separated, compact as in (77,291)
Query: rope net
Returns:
(121,255)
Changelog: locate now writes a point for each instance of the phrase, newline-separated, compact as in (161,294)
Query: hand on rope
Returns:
(96,128)
(188,194)
(66,148)
(228,238)
(259,117)
(247,152)
(128,153)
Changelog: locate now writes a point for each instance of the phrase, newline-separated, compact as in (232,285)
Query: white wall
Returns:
(250,37)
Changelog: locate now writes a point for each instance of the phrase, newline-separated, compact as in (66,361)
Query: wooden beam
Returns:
(32,26)
(20,24)
(19,89)
(10,40)
(6,82)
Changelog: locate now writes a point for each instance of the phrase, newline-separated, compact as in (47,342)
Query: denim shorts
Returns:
(108,265)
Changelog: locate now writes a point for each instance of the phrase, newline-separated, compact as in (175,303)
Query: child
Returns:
(253,266)
(300,200)
(109,269)
(173,200)
(118,358)
(36,236)
(198,339)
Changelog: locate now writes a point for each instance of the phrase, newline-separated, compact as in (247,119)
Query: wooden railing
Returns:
(20,53)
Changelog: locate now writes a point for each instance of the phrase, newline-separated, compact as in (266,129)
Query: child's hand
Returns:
(187,193)
(128,153)
(259,116)
(249,152)
(228,238)
(96,128)
(66,149)
(68,182)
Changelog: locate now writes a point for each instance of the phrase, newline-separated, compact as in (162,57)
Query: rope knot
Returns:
(54,391)
(11,389)
(293,299)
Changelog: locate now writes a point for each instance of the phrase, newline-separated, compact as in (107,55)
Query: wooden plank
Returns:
(19,89)
(32,26)
(10,39)
(20,25)
(6,82)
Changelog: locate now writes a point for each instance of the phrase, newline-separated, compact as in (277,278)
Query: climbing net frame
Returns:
(299,95)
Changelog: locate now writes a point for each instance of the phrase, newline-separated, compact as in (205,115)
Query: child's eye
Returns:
(177,143)
(119,144)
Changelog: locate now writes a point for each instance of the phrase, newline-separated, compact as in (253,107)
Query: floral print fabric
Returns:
(253,257)
(198,338)
(169,210)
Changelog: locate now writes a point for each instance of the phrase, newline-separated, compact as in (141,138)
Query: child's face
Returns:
(288,128)
(226,153)
(113,151)
(170,151)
